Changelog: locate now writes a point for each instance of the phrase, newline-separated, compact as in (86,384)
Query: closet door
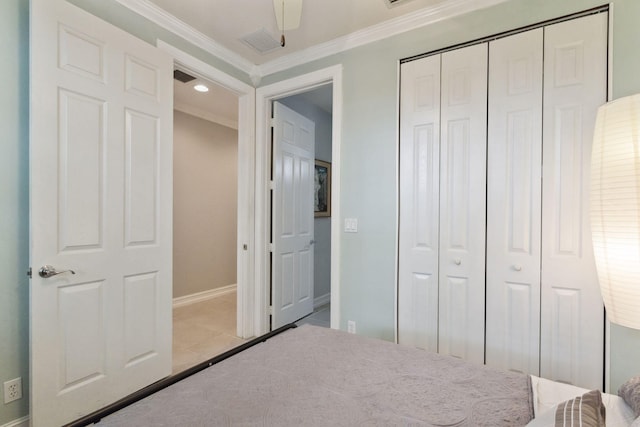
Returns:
(572,316)
(463,148)
(514,202)
(419,195)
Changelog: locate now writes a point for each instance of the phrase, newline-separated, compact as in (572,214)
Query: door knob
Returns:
(50,271)
(457,261)
(517,267)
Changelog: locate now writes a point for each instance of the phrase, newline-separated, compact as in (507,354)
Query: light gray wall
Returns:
(369,165)
(205,205)
(322,226)
(369,149)
(14,193)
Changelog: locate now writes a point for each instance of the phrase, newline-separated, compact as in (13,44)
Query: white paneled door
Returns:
(442,203)
(514,202)
(463,153)
(101,185)
(292,216)
(572,317)
(419,206)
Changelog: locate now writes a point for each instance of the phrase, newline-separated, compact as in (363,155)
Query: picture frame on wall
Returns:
(322,189)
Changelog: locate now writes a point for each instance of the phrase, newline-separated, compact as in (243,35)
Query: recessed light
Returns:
(201,88)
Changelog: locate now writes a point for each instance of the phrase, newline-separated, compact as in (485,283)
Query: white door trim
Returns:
(264,96)
(246,178)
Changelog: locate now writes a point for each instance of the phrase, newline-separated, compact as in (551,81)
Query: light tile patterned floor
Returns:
(205,329)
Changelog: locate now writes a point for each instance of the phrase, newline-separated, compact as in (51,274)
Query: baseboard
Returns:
(20,422)
(322,300)
(201,296)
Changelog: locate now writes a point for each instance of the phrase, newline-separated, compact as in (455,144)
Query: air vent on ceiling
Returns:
(182,76)
(262,41)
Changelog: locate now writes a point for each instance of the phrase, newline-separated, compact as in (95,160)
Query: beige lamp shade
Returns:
(615,208)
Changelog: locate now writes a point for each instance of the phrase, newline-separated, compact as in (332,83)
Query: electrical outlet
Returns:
(351,326)
(12,390)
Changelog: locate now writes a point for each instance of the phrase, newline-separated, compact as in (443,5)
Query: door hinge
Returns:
(271,185)
(270,247)
(270,310)
(29,273)
(272,122)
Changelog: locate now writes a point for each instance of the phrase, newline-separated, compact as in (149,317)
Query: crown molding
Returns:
(401,24)
(160,17)
(205,115)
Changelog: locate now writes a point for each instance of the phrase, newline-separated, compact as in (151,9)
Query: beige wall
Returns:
(205,179)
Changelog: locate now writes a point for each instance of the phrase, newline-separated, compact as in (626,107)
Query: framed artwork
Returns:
(322,192)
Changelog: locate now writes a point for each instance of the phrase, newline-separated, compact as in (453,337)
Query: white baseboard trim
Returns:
(20,422)
(201,296)
(322,300)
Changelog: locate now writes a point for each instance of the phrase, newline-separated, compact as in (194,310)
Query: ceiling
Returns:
(229,21)
(326,27)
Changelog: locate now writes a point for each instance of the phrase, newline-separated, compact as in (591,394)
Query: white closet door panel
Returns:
(514,202)
(463,202)
(419,193)
(572,317)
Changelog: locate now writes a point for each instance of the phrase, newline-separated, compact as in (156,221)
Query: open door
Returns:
(292,216)
(101,198)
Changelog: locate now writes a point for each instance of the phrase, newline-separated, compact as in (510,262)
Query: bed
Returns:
(318,376)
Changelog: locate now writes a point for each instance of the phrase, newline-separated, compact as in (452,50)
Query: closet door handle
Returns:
(457,261)
(517,267)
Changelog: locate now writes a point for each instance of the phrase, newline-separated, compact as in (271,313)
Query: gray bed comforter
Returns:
(313,376)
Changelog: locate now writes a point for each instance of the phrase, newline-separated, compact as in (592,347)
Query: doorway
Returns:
(205,201)
(264,99)
(317,105)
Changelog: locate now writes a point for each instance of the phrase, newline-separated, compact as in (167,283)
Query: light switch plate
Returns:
(351,225)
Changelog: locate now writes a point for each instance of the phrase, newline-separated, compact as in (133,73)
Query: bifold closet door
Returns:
(572,316)
(419,203)
(442,202)
(463,153)
(514,202)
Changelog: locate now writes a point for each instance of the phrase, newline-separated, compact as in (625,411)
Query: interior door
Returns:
(101,197)
(419,203)
(292,216)
(572,316)
(463,153)
(514,199)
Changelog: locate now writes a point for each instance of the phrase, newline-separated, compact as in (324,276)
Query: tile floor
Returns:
(205,329)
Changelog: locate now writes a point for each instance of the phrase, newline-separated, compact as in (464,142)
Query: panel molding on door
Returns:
(101,126)
(292,215)
(419,203)
(514,202)
(463,146)
(572,316)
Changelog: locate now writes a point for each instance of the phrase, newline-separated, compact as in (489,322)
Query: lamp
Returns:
(615,208)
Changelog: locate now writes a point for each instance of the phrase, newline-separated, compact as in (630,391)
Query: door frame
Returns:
(246,178)
(264,97)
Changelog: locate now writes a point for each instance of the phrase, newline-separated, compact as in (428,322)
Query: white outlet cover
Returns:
(12,390)
(351,327)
